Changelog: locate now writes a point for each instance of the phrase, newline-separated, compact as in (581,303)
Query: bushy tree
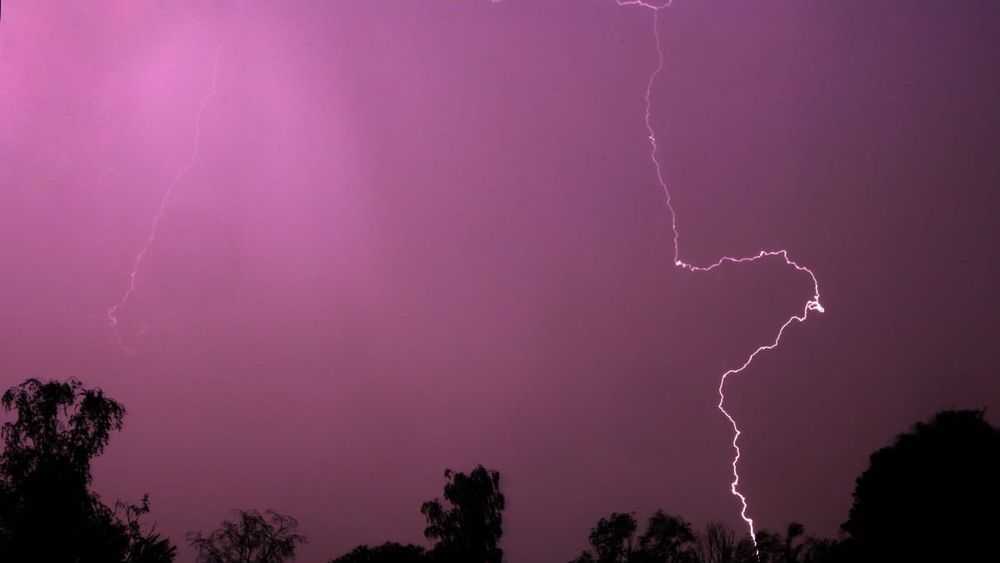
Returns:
(718,544)
(667,539)
(821,550)
(47,511)
(389,552)
(467,525)
(142,546)
(251,537)
(612,539)
(931,496)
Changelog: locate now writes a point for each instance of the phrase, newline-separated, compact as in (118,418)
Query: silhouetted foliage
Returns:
(718,544)
(931,496)
(770,548)
(670,539)
(667,539)
(773,548)
(821,550)
(389,552)
(47,512)
(611,540)
(793,533)
(251,538)
(468,525)
(142,546)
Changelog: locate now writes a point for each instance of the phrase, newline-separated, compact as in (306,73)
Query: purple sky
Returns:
(421,235)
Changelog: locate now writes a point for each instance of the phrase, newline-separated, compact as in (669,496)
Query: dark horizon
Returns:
(928,495)
(428,236)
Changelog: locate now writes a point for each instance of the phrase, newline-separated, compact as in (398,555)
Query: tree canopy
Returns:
(251,537)
(47,511)
(389,552)
(932,495)
(467,526)
(667,539)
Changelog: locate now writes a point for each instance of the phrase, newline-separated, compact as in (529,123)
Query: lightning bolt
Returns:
(113,311)
(812,304)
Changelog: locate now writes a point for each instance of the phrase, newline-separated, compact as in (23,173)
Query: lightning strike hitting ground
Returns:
(112,314)
(810,305)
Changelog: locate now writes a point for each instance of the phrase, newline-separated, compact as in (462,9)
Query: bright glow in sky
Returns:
(428,235)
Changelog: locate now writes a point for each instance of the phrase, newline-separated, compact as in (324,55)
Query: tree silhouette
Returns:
(389,552)
(931,496)
(770,549)
(821,550)
(47,512)
(612,540)
(143,546)
(468,525)
(793,533)
(251,538)
(717,544)
(773,548)
(667,539)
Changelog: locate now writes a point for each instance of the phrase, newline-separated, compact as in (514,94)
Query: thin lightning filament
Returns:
(813,304)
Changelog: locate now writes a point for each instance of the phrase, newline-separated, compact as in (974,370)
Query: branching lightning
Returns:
(113,311)
(812,304)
